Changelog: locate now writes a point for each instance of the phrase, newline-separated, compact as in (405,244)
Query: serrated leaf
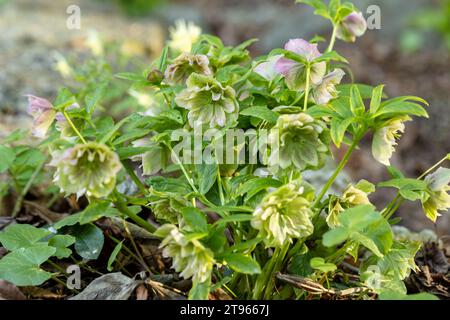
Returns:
(22,267)
(195,219)
(242,263)
(261,112)
(18,236)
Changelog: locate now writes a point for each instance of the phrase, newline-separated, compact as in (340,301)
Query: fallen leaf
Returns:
(8,291)
(111,286)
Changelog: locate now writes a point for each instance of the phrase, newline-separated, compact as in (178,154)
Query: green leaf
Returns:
(365,186)
(195,219)
(242,263)
(207,176)
(234,218)
(130,76)
(200,290)
(394,172)
(338,128)
(93,212)
(60,243)
(7,155)
(18,236)
(113,256)
(366,91)
(261,112)
(334,237)
(393,295)
(410,189)
(356,102)
(22,267)
(407,105)
(377,95)
(320,8)
(330,56)
(320,264)
(163,59)
(92,99)
(254,186)
(89,241)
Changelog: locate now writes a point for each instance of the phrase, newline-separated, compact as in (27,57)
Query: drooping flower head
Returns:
(267,69)
(295,72)
(89,169)
(439,200)
(326,90)
(285,214)
(184,35)
(208,101)
(302,142)
(186,64)
(43,114)
(154,159)
(352,26)
(189,256)
(351,197)
(385,139)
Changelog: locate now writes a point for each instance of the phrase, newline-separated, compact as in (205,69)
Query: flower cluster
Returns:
(208,101)
(190,257)
(285,214)
(302,142)
(89,169)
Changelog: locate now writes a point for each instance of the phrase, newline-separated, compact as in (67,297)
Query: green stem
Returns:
(183,169)
(277,267)
(337,171)
(73,127)
(25,190)
(219,185)
(333,39)
(263,277)
(308,73)
(135,178)
(122,207)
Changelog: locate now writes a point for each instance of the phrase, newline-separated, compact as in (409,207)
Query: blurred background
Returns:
(410,54)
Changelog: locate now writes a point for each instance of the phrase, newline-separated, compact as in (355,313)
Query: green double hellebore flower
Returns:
(89,169)
(186,64)
(189,256)
(302,142)
(439,200)
(285,214)
(208,102)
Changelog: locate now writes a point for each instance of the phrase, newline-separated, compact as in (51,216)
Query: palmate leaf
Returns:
(410,189)
(22,266)
(61,244)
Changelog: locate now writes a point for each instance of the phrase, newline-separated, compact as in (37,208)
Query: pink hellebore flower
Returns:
(43,113)
(352,26)
(295,72)
(326,90)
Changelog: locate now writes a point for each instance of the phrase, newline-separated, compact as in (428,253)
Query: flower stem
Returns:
(308,73)
(277,267)
(337,171)
(333,39)
(135,178)
(122,207)
(73,126)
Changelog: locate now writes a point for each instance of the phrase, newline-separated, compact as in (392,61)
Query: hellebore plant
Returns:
(250,228)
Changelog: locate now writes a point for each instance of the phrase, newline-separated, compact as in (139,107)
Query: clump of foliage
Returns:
(257,229)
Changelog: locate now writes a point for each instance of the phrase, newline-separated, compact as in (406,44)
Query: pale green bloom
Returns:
(351,197)
(326,90)
(184,35)
(285,214)
(439,200)
(186,64)
(89,169)
(189,256)
(352,26)
(385,139)
(167,207)
(302,142)
(208,102)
